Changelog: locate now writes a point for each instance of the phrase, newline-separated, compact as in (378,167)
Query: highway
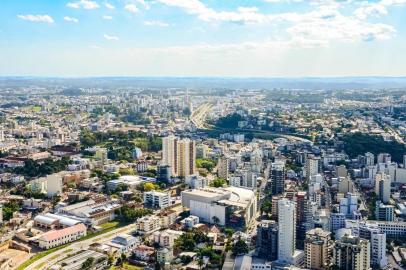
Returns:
(198,117)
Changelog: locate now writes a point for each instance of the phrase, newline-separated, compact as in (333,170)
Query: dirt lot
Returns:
(17,255)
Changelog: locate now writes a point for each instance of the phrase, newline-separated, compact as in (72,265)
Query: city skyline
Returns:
(263,38)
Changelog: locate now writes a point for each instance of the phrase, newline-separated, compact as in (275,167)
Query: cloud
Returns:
(85,4)
(143,3)
(107,17)
(109,6)
(132,8)
(70,19)
(94,47)
(108,37)
(156,23)
(36,18)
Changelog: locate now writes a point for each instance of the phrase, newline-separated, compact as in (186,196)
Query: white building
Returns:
(349,205)
(56,238)
(196,181)
(287,252)
(157,199)
(382,187)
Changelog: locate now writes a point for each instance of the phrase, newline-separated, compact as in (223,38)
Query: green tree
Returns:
(240,247)
(86,265)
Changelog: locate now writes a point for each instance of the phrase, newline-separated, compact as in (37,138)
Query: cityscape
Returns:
(202,135)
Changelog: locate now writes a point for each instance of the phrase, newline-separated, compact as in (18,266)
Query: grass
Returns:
(126,266)
(109,226)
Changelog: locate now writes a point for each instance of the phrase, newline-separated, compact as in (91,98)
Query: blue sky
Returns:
(203,38)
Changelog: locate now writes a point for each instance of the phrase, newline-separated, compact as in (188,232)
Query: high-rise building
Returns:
(186,157)
(163,173)
(318,249)
(349,205)
(384,158)
(352,253)
(369,159)
(377,239)
(337,221)
(384,212)
(312,166)
(382,186)
(223,166)
(278,176)
(180,154)
(267,240)
(301,201)
(157,199)
(287,231)
(404,161)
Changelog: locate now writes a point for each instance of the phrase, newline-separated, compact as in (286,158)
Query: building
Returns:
(377,239)
(180,155)
(384,158)
(382,187)
(92,212)
(278,176)
(166,238)
(223,167)
(369,159)
(196,181)
(267,240)
(60,237)
(53,221)
(124,242)
(337,221)
(137,153)
(349,205)
(148,224)
(164,173)
(190,221)
(352,253)
(287,252)
(164,255)
(384,212)
(312,166)
(76,261)
(157,199)
(144,253)
(318,249)
(230,206)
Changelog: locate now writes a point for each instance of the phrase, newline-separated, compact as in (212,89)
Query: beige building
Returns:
(180,155)
(318,249)
(352,253)
(223,165)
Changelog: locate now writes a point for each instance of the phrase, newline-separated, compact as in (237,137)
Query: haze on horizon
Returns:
(255,38)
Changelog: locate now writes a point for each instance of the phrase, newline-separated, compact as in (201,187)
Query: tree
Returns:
(88,263)
(206,163)
(266,206)
(216,220)
(240,247)
(219,182)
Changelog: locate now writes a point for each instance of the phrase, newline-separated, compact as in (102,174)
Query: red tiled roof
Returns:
(55,234)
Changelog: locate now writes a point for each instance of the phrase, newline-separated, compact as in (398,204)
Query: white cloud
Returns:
(94,47)
(132,8)
(156,23)
(70,19)
(85,4)
(109,37)
(109,6)
(36,18)
(143,3)
(107,17)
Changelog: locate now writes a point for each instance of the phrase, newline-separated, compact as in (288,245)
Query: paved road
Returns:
(56,256)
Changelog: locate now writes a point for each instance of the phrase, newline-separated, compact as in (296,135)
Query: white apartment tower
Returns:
(287,230)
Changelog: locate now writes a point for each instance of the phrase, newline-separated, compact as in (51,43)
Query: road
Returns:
(56,256)
(199,115)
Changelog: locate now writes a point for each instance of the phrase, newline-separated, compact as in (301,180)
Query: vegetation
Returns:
(206,163)
(188,241)
(88,263)
(229,121)
(136,118)
(240,247)
(120,144)
(130,214)
(32,168)
(218,182)
(266,206)
(8,210)
(359,143)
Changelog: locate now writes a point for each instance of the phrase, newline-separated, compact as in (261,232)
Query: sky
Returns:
(233,38)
